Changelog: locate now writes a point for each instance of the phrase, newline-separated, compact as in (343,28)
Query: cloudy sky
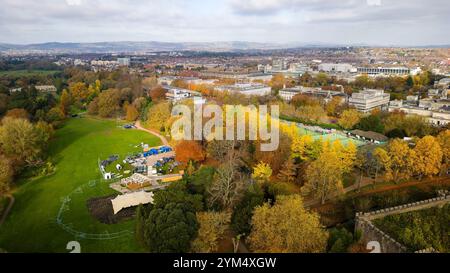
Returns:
(376,22)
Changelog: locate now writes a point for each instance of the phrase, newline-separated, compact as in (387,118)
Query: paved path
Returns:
(163,139)
(8,209)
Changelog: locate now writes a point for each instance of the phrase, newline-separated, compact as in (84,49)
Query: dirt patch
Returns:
(101,209)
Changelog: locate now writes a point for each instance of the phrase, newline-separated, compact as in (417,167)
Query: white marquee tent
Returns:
(131,200)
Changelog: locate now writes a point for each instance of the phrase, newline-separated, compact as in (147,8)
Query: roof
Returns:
(131,200)
(370,135)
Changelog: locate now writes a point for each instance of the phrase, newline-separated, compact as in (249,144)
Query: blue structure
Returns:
(165,149)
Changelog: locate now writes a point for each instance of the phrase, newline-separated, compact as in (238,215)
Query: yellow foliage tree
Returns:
(444,141)
(324,176)
(384,161)
(262,172)
(428,157)
(212,229)
(132,113)
(401,157)
(287,227)
(349,119)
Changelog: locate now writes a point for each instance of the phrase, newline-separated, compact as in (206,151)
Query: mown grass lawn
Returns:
(31,225)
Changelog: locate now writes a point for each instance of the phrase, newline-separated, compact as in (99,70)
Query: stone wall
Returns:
(369,232)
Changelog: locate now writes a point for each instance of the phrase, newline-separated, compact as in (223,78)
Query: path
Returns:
(163,139)
(8,209)
(353,187)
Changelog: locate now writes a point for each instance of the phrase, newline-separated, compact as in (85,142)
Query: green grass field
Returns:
(22,73)
(31,225)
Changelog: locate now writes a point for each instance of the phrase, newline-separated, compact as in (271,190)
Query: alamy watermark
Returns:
(231,122)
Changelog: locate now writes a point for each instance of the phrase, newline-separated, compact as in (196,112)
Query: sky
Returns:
(371,22)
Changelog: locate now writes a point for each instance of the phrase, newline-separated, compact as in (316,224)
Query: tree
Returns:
(324,176)
(273,233)
(444,141)
(371,123)
(289,171)
(383,161)
(170,229)
(428,157)
(243,211)
(132,113)
(157,93)
(262,172)
(227,187)
(187,150)
(218,149)
(79,92)
(65,102)
(349,119)
(333,106)
(21,141)
(6,174)
(108,103)
(212,229)
(347,156)
(158,115)
(401,159)
(55,116)
(18,113)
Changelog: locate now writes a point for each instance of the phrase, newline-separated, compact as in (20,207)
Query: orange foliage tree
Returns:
(189,150)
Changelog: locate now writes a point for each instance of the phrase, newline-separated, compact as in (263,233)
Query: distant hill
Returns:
(153,46)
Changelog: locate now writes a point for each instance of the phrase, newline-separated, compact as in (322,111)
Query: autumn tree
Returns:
(401,159)
(158,117)
(287,227)
(349,119)
(262,172)
(324,176)
(22,141)
(189,150)
(108,103)
(212,227)
(79,92)
(132,113)
(444,141)
(289,171)
(427,157)
(17,113)
(65,102)
(158,93)
(383,161)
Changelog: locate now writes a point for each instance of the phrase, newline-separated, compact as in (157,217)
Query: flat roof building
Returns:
(248,89)
(370,99)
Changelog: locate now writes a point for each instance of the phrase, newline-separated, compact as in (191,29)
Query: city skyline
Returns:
(353,22)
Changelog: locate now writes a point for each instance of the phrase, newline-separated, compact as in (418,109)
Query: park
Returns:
(32,225)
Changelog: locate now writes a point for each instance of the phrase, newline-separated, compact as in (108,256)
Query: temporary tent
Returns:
(131,200)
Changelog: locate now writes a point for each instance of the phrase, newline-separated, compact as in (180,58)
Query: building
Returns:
(288,94)
(248,89)
(373,137)
(337,68)
(370,99)
(384,70)
(176,95)
(124,61)
(46,88)
(437,112)
(279,65)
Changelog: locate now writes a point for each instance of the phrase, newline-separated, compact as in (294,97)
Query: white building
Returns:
(384,70)
(337,68)
(124,61)
(370,99)
(288,94)
(176,95)
(248,89)
(437,116)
